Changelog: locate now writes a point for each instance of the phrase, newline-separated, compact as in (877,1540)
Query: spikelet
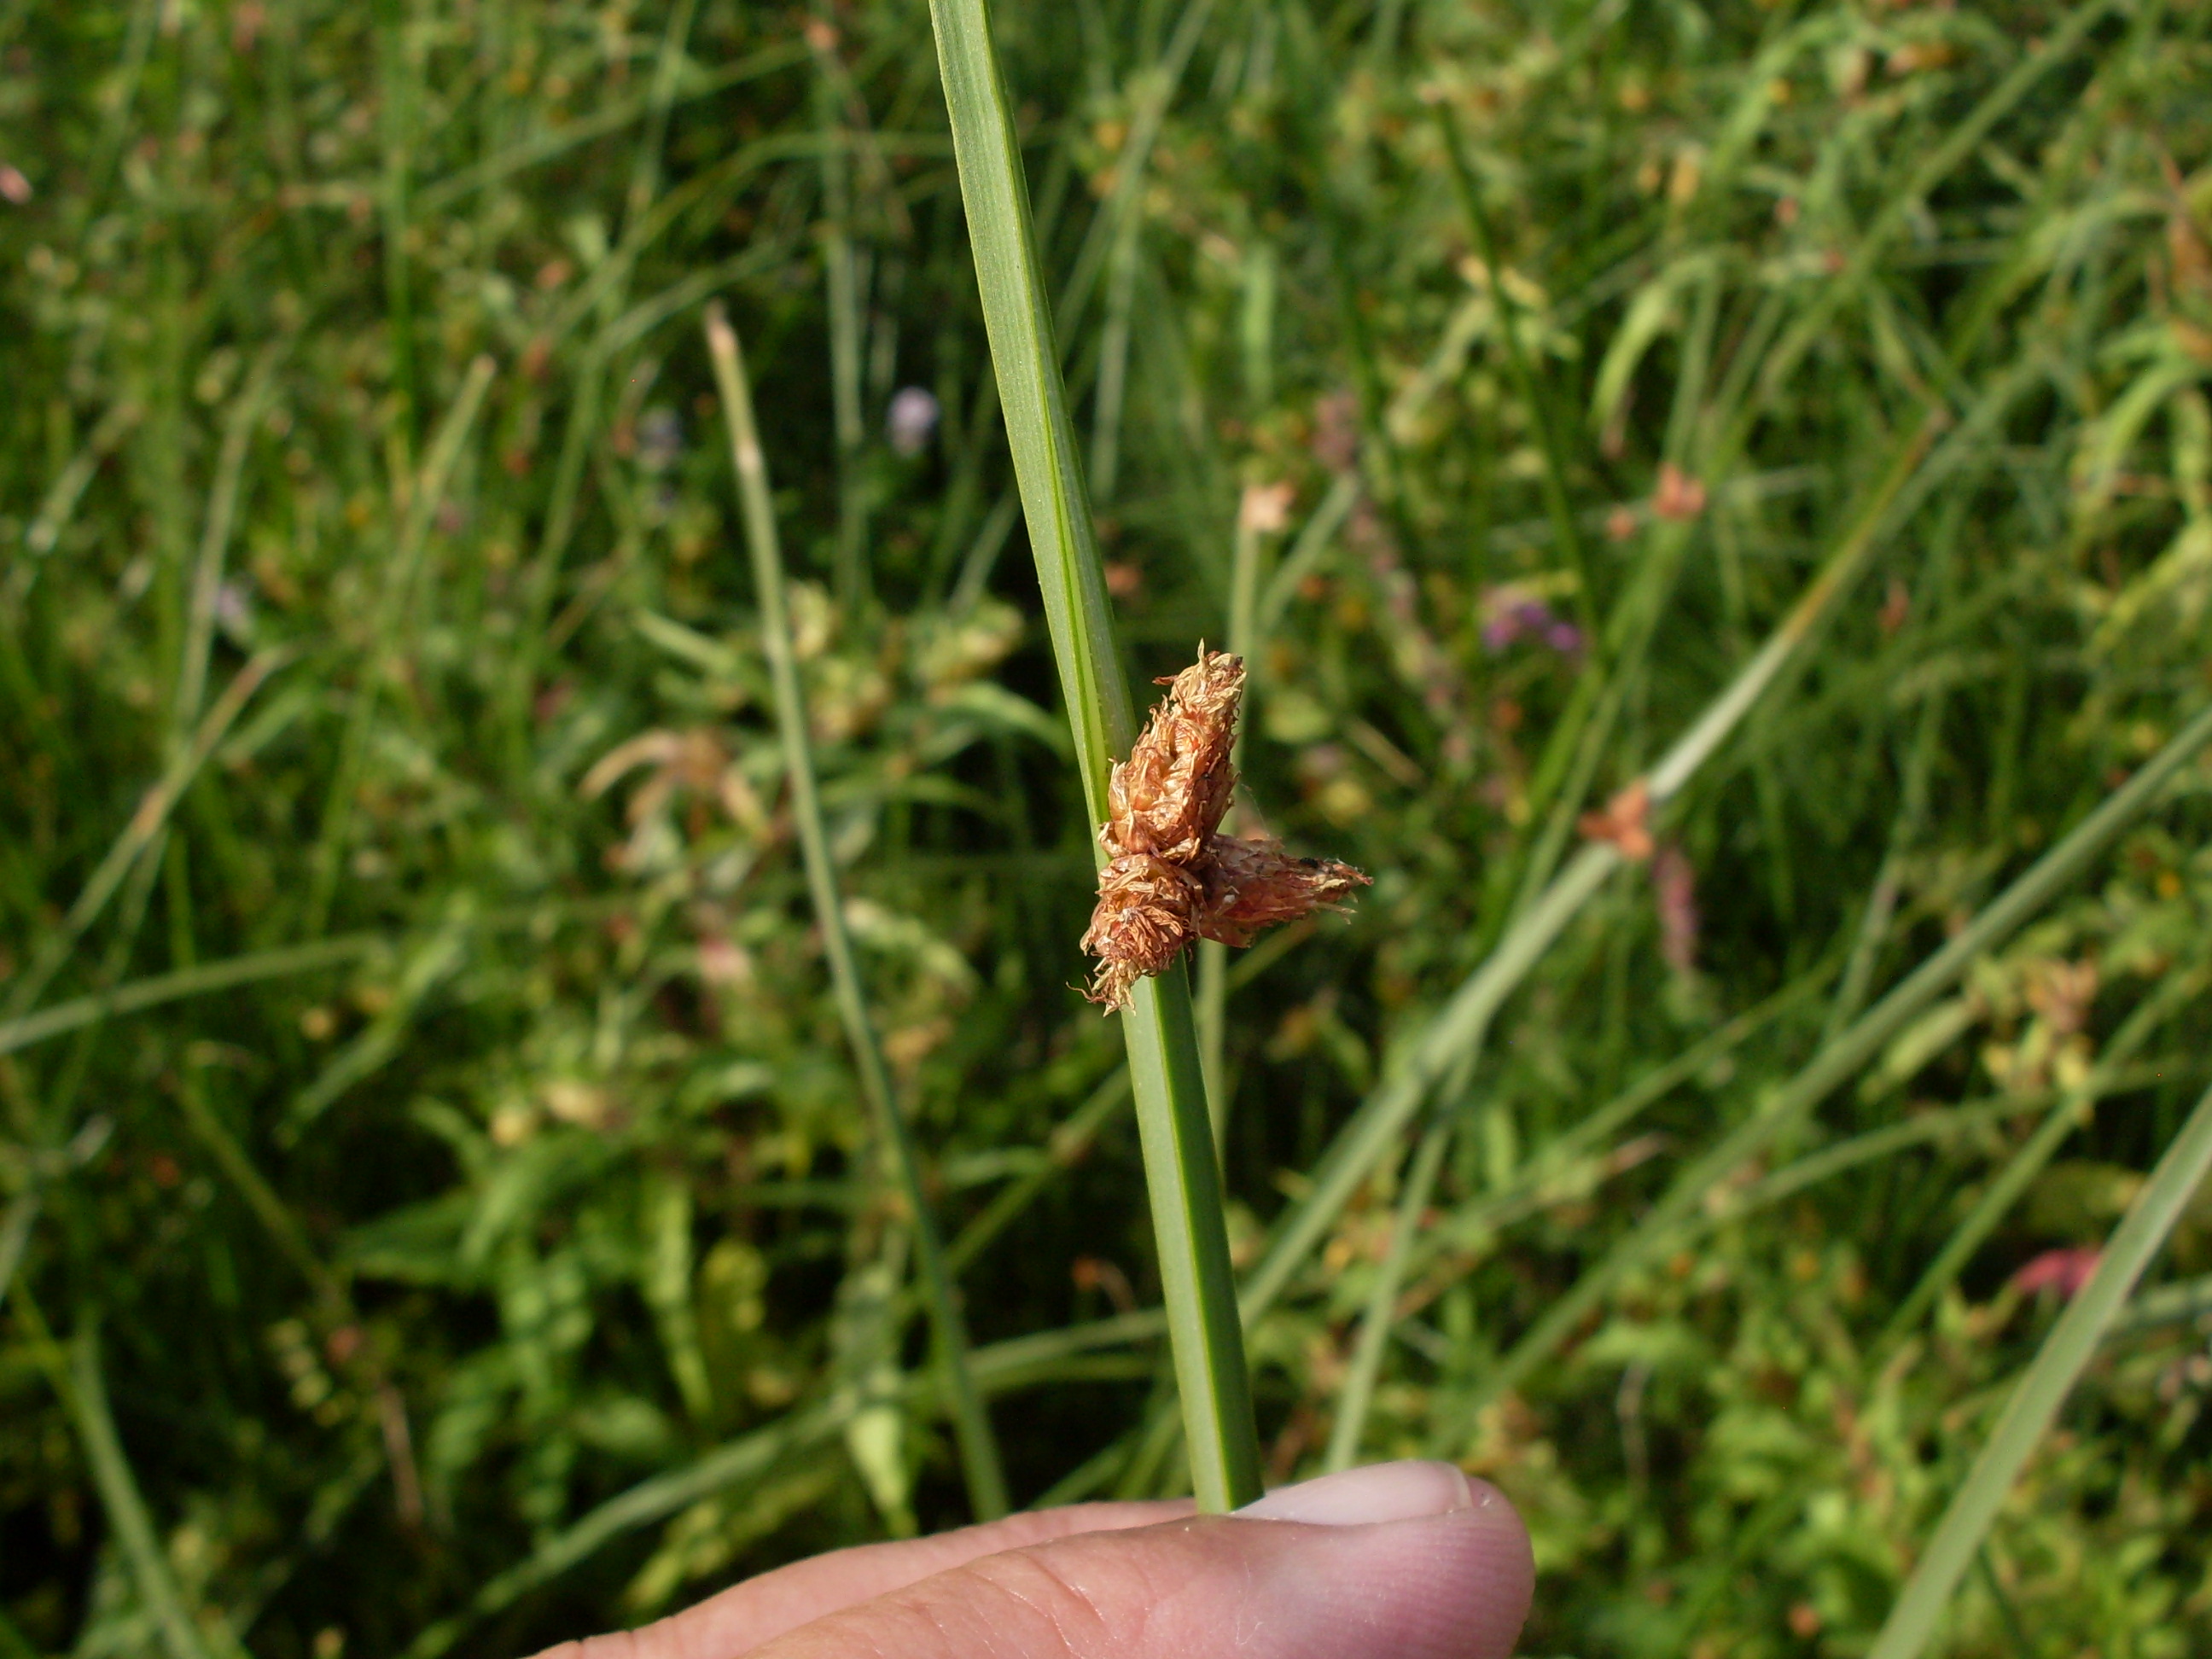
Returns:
(1171,878)
(1147,915)
(1169,796)
(1251,885)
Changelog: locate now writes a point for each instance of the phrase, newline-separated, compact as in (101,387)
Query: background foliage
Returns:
(435,1214)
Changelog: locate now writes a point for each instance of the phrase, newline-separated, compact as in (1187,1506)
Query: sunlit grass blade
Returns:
(2034,1403)
(971,1424)
(1180,1171)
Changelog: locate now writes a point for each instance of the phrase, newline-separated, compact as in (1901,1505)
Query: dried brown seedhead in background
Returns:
(1171,878)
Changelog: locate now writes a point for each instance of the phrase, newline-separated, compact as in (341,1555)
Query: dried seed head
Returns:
(1169,796)
(1172,879)
(1147,915)
(1251,885)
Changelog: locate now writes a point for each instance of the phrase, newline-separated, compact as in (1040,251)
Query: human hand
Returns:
(1394,1561)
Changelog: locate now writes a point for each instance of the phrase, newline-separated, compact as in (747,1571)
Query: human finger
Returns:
(745,1615)
(1397,1561)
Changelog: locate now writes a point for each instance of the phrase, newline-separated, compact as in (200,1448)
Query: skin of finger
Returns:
(745,1615)
(1454,1586)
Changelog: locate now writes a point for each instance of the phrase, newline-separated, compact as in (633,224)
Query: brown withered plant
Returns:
(1172,878)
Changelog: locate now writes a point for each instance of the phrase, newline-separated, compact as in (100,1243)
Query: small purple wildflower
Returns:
(912,419)
(1513,613)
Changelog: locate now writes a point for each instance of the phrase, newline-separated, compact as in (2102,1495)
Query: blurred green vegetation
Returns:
(433,1213)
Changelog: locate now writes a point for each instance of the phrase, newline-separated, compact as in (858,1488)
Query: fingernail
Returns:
(1381,1492)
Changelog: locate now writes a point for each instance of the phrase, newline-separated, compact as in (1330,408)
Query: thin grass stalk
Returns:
(398,87)
(2051,1377)
(1838,1061)
(841,273)
(1305,554)
(1100,238)
(979,1451)
(426,497)
(199,980)
(1180,1173)
(58,507)
(1556,504)
(1114,364)
(15,1236)
(1357,1394)
(2068,1114)
(83,1391)
(146,826)
(440,196)
(1917,1130)
(1243,643)
(215,539)
(1873,931)
(660,103)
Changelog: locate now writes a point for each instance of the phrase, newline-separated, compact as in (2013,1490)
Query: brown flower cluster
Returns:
(1172,878)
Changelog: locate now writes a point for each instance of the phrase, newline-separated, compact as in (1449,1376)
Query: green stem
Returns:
(979,1452)
(1173,1123)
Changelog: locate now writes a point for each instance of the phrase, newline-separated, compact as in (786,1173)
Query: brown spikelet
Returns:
(1251,885)
(1169,796)
(1172,878)
(1148,912)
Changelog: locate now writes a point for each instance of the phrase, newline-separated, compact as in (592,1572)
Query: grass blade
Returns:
(200,981)
(427,496)
(2058,1364)
(144,828)
(1173,1123)
(979,1451)
(84,1391)
(1358,1391)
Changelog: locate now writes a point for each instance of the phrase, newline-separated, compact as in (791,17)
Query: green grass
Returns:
(442,1204)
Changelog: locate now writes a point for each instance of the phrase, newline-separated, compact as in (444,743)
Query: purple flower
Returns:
(1511,613)
(912,419)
